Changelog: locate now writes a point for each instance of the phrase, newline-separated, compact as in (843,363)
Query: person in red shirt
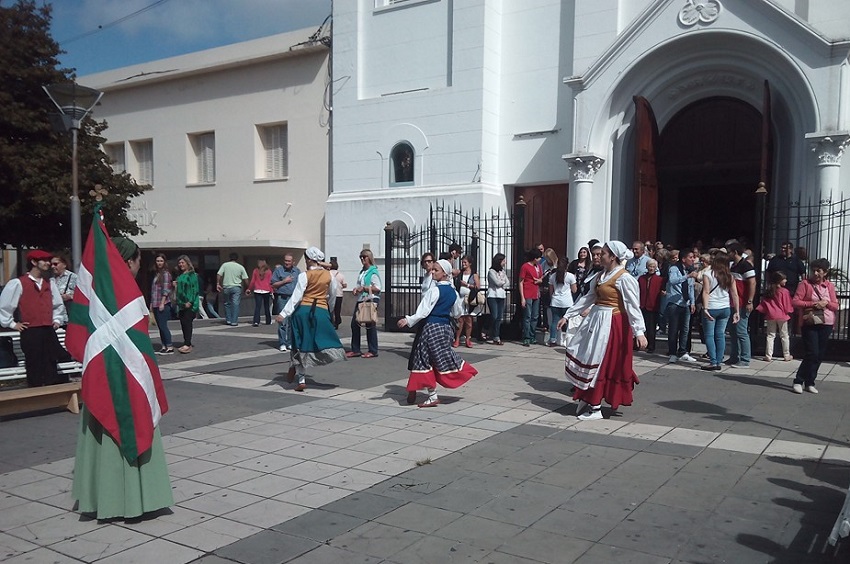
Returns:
(776,307)
(650,285)
(530,278)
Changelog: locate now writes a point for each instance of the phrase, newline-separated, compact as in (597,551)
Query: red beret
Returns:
(39,255)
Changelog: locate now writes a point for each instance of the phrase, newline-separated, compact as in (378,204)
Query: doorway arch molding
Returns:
(676,73)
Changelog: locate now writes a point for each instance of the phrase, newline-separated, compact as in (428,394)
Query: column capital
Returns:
(583,166)
(829,147)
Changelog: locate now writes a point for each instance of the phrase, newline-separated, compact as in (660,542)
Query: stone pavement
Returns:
(704,468)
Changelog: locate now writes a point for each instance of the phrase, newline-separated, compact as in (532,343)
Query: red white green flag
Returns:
(108,334)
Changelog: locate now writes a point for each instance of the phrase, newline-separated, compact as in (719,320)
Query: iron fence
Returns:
(481,235)
(819,227)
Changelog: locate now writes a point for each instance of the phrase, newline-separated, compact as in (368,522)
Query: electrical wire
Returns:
(114,22)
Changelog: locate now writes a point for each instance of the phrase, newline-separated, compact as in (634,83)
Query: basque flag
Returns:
(108,334)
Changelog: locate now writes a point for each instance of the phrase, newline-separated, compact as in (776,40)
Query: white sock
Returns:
(432,395)
(302,378)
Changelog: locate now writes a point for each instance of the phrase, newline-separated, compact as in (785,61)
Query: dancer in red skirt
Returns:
(432,359)
(599,357)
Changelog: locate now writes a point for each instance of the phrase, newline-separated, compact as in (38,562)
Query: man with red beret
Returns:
(41,311)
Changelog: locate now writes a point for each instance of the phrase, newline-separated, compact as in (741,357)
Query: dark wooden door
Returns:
(546,215)
(646,174)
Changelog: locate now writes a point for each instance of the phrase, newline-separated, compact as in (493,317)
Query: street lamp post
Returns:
(74,103)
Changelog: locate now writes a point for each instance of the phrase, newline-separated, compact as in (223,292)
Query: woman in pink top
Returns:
(261,287)
(817,298)
(776,307)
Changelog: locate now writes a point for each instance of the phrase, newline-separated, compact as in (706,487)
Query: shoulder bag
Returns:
(813,316)
(367,311)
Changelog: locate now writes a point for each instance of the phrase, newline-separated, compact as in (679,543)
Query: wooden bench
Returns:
(21,400)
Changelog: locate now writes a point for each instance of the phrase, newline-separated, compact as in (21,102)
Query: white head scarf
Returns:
(313,253)
(619,250)
(446,266)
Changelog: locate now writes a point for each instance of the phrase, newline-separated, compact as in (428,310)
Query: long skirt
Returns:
(315,342)
(107,485)
(599,359)
(433,361)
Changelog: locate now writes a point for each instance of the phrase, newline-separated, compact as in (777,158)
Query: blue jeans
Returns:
(815,339)
(555,315)
(740,349)
(261,303)
(232,299)
(497,311)
(371,334)
(162,318)
(283,337)
(678,325)
(715,333)
(529,319)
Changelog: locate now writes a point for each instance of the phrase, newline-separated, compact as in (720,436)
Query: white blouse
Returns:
(627,286)
(429,300)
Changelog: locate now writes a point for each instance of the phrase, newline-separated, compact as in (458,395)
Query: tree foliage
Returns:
(35,161)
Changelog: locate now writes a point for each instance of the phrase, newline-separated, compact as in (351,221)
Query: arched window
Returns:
(401,234)
(401,165)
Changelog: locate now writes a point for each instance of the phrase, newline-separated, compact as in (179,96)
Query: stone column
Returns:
(582,222)
(828,149)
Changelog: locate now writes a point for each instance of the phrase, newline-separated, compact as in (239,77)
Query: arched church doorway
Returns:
(708,161)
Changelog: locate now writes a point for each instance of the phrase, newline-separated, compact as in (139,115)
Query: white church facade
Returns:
(650,119)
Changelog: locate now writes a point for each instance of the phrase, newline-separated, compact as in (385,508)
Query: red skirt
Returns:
(421,379)
(616,378)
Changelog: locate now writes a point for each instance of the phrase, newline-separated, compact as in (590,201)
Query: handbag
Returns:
(367,311)
(812,316)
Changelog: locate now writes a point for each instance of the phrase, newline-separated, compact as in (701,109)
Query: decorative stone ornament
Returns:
(694,11)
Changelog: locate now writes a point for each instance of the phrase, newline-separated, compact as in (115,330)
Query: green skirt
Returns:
(315,342)
(106,485)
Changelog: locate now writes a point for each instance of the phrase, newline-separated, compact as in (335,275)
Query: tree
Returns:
(35,161)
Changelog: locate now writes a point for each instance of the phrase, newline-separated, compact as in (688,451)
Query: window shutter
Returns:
(275,146)
(206,157)
(145,159)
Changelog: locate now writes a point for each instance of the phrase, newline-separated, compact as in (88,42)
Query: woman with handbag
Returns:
(368,292)
(188,300)
(468,286)
(432,360)
(817,298)
(314,338)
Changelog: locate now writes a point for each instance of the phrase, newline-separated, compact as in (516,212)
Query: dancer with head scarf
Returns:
(599,357)
(314,340)
(432,359)
(108,483)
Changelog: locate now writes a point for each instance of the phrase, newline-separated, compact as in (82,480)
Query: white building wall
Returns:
(228,91)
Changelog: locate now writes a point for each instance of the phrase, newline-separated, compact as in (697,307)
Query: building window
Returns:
(400,234)
(115,153)
(203,150)
(142,152)
(272,154)
(401,165)
(391,3)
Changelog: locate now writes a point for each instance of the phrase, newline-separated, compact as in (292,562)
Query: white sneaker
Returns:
(591,415)
(797,388)
(687,358)
(811,389)
(673,359)
(283,348)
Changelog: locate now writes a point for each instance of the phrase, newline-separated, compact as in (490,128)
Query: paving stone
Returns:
(320,525)
(332,555)
(545,547)
(478,531)
(524,504)
(267,547)
(377,539)
(417,517)
(366,505)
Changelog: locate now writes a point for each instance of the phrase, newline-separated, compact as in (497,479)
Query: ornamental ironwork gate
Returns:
(819,228)
(481,235)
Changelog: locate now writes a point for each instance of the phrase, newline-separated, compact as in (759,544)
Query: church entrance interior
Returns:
(708,158)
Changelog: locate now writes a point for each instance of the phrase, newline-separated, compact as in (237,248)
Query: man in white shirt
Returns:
(42,311)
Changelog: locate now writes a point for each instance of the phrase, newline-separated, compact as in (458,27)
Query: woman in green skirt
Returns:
(314,340)
(106,483)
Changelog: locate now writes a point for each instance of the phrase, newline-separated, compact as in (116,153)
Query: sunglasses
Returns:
(363,257)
